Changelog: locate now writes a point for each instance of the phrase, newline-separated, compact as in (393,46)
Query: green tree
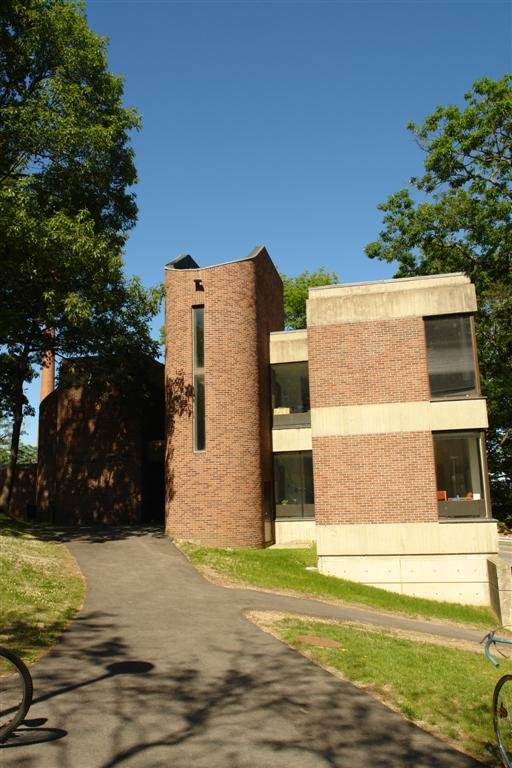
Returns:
(66,169)
(461,220)
(27,454)
(5,440)
(295,291)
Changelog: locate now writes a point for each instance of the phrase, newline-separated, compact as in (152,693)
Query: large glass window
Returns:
(293,481)
(290,394)
(460,486)
(451,356)
(199,393)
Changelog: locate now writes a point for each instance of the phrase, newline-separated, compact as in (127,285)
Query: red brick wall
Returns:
(383,361)
(379,478)
(47,456)
(24,489)
(90,459)
(388,478)
(216,496)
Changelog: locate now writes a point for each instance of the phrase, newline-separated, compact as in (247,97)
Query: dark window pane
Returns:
(198,332)
(290,394)
(199,414)
(460,489)
(307,469)
(293,478)
(451,363)
(199,395)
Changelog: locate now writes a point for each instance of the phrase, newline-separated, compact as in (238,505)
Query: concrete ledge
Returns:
(403,539)
(292,531)
(393,418)
(291,439)
(288,346)
(387,301)
(421,282)
(458,414)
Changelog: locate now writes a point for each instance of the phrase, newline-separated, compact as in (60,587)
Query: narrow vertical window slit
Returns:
(198,373)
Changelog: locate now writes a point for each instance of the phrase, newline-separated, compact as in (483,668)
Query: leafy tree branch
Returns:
(465,225)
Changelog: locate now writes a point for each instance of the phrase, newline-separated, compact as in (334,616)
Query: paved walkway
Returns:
(161,670)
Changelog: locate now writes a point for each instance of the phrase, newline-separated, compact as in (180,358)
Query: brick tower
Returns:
(218,424)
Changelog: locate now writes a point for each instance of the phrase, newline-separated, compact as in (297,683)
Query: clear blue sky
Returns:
(284,123)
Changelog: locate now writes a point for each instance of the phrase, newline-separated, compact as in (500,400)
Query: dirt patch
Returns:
(266,620)
(320,642)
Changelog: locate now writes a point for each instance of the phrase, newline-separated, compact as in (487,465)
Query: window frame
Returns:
(303,503)
(447,505)
(460,395)
(294,419)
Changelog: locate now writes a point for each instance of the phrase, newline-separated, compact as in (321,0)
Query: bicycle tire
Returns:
(502,717)
(16,692)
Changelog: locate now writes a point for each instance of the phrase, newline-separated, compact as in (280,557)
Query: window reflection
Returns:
(294,491)
(290,394)
(460,489)
(450,354)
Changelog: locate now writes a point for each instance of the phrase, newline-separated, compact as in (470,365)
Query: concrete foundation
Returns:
(439,561)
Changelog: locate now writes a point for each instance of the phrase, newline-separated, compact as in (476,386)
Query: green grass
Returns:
(285,569)
(41,590)
(444,690)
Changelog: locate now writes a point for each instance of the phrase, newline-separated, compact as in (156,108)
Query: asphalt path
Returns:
(162,669)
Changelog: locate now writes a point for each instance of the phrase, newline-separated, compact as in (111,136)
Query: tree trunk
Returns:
(17,417)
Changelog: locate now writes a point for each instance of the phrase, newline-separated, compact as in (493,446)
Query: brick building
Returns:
(363,432)
(100,452)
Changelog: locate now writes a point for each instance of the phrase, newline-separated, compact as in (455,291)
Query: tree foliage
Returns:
(295,290)
(461,220)
(66,171)
(27,454)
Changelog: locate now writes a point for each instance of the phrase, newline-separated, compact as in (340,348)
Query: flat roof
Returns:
(392,284)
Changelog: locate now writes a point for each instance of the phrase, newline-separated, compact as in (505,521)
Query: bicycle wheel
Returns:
(502,717)
(15,692)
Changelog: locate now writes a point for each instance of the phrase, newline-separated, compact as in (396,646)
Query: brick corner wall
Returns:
(376,477)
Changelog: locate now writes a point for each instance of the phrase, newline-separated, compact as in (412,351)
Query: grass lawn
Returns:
(285,569)
(444,690)
(41,589)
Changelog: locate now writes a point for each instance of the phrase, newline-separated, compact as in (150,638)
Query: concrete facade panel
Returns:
(393,285)
(380,418)
(293,531)
(421,301)
(291,440)
(289,347)
(445,538)
(458,414)
(455,578)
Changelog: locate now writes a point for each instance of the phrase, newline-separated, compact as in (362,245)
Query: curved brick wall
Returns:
(216,497)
